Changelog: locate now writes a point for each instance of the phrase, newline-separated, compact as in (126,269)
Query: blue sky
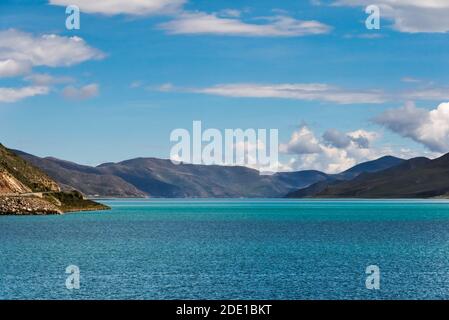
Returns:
(139,69)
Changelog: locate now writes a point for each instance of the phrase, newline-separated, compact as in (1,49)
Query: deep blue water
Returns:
(230,249)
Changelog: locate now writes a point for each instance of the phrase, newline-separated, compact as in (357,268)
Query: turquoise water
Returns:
(230,249)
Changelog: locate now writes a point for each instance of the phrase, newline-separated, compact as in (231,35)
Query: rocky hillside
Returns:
(25,189)
(18,176)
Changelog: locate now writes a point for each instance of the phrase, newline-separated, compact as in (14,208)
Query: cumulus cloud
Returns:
(12,68)
(430,128)
(128,7)
(363,138)
(336,138)
(302,141)
(335,152)
(411,16)
(211,23)
(20,51)
(82,93)
(9,95)
(296,91)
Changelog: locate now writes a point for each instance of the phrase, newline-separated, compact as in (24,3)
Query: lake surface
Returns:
(230,249)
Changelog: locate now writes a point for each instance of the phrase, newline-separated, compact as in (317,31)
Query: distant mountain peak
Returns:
(359,170)
(381,163)
(418,177)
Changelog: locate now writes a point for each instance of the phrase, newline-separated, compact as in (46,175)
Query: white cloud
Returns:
(166,87)
(297,91)
(410,15)
(337,138)
(312,153)
(230,13)
(128,7)
(12,68)
(302,141)
(82,93)
(360,138)
(410,80)
(211,23)
(135,84)
(19,51)
(225,22)
(317,92)
(44,79)
(430,128)
(9,95)
(431,93)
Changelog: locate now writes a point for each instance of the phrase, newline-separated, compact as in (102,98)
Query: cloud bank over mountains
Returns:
(334,152)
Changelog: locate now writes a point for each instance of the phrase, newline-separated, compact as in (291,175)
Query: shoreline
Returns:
(51,203)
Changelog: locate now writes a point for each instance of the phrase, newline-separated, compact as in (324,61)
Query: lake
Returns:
(230,249)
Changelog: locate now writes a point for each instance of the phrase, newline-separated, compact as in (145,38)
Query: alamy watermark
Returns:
(256,148)
(373,20)
(73,280)
(372,281)
(73,20)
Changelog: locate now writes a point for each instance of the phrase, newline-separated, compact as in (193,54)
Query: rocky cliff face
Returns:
(25,189)
(10,185)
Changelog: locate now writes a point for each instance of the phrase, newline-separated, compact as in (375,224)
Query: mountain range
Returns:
(152,177)
(377,165)
(415,178)
(386,177)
